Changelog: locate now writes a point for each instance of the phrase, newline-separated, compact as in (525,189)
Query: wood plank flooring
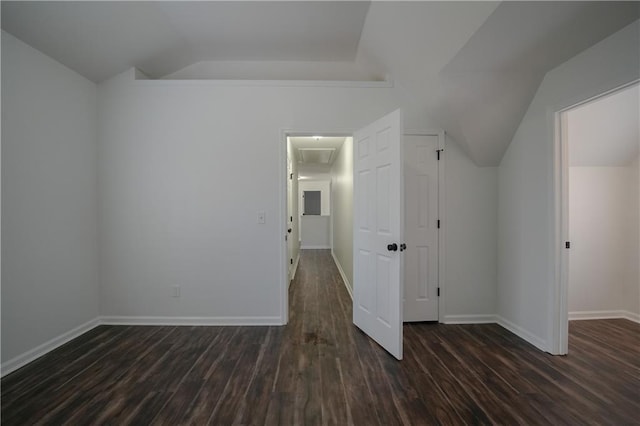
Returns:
(320,369)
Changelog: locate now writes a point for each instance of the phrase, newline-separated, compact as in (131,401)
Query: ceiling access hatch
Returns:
(316,155)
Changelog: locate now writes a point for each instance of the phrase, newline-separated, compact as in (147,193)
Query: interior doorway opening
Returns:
(319,194)
(597,216)
(423,177)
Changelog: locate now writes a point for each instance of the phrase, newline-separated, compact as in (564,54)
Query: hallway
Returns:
(320,369)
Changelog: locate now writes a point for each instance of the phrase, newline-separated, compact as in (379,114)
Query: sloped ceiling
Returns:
(475,67)
(100,38)
(470,68)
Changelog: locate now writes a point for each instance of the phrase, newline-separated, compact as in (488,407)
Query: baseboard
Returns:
(469,319)
(523,334)
(594,315)
(632,316)
(43,349)
(192,321)
(315,247)
(346,282)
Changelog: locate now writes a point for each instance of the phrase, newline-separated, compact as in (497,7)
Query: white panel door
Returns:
(290,214)
(421,228)
(378,226)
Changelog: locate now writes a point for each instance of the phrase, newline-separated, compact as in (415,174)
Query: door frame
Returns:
(282,228)
(558,298)
(441,212)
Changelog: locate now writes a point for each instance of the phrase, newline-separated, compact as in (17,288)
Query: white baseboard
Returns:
(31,355)
(315,247)
(523,334)
(346,282)
(594,315)
(35,353)
(469,319)
(193,321)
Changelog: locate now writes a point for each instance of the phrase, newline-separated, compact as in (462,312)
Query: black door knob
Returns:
(392,247)
(289,230)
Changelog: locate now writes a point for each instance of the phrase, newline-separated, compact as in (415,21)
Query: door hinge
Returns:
(438,151)
(438,291)
(567,244)
(438,223)
(291,261)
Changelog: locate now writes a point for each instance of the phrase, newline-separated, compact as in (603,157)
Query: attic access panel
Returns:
(316,155)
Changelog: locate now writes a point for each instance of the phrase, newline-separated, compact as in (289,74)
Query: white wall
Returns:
(324,186)
(342,209)
(49,200)
(469,223)
(470,226)
(526,205)
(316,232)
(176,209)
(603,228)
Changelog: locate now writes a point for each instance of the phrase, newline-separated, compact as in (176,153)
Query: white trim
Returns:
(523,334)
(192,321)
(321,247)
(469,319)
(31,355)
(595,315)
(346,282)
(284,255)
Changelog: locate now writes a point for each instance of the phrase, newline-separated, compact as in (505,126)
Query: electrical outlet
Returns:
(175,291)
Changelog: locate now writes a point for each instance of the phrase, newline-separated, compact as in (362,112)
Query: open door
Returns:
(378,232)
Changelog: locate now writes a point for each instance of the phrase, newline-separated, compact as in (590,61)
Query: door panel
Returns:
(421,218)
(290,214)
(379,221)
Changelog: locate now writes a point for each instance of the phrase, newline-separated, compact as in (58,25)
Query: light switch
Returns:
(261,217)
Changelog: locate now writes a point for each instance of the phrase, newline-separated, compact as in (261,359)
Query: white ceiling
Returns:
(100,38)
(318,143)
(470,68)
(474,67)
(606,131)
(308,152)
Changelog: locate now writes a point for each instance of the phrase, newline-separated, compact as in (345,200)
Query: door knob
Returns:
(403,247)
(289,230)
(392,247)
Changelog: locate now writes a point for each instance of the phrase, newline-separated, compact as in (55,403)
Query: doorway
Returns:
(310,207)
(598,195)
(423,177)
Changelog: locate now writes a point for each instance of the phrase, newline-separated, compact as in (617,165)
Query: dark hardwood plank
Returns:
(320,369)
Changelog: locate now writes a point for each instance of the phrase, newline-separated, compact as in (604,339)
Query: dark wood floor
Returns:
(320,369)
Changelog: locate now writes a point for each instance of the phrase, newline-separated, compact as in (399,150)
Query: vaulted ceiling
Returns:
(470,68)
